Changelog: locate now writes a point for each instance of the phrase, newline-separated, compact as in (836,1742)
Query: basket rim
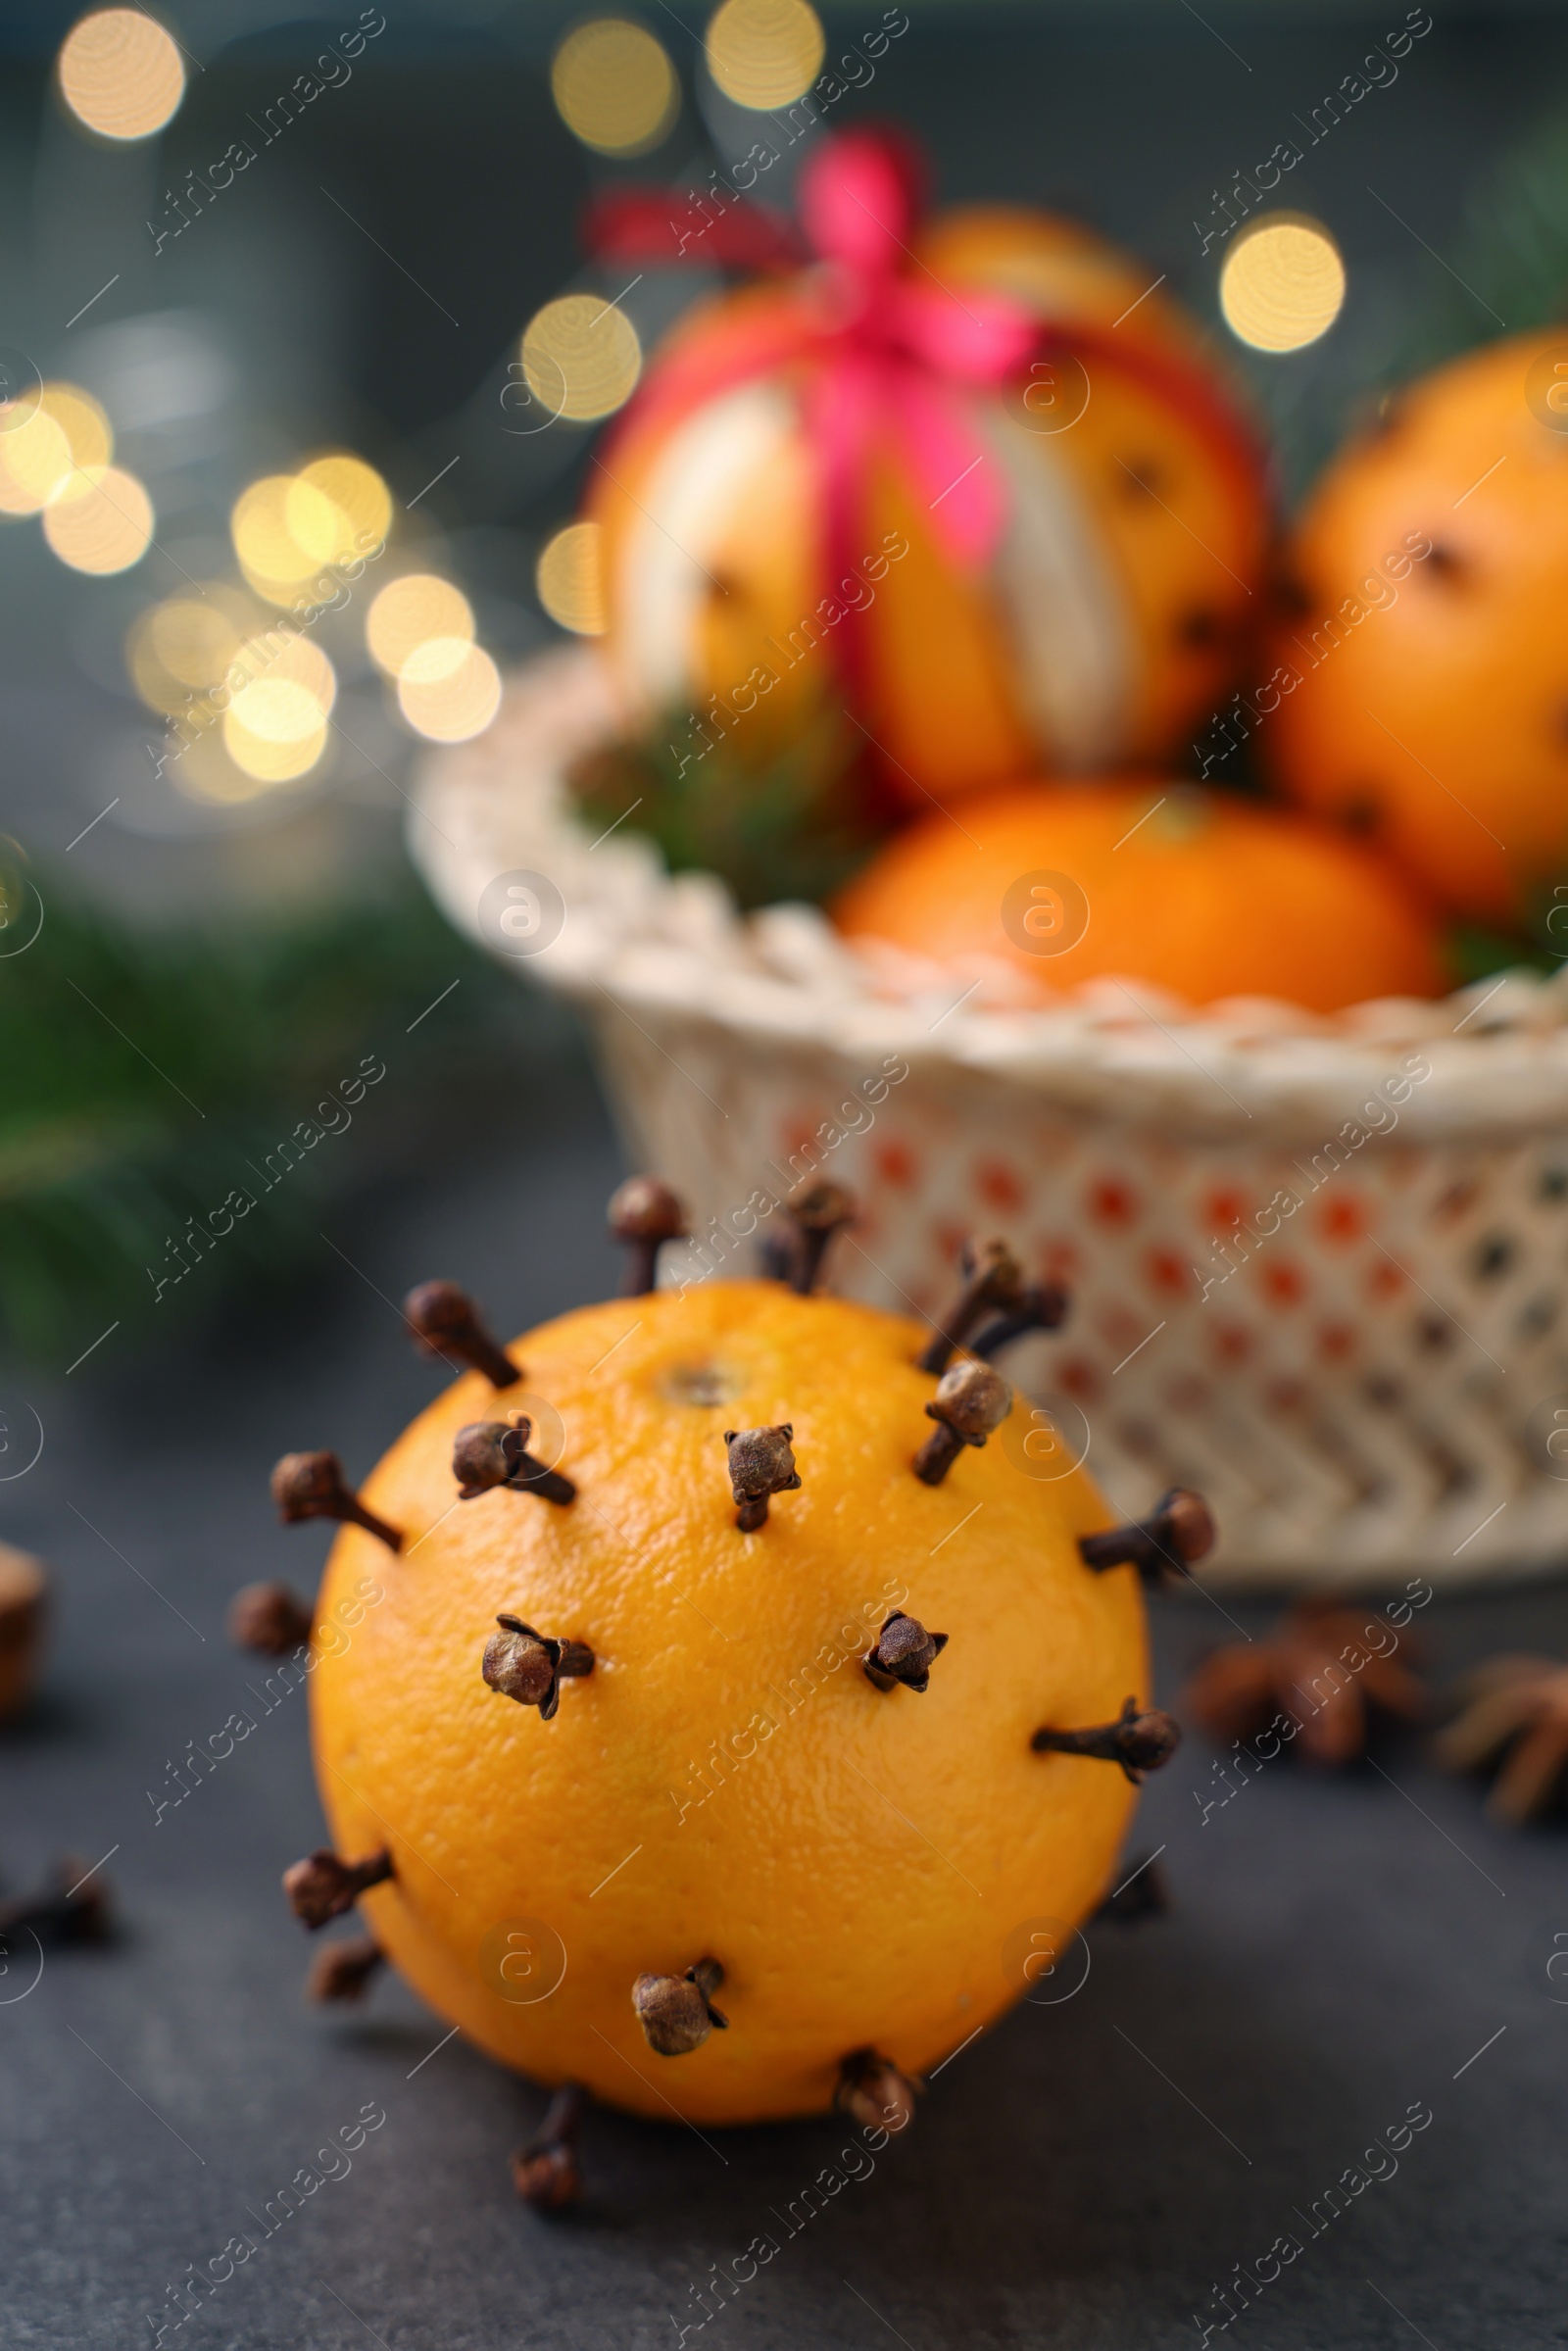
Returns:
(639,942)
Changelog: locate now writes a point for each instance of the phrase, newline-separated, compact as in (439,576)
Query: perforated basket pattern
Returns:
(1365,1392)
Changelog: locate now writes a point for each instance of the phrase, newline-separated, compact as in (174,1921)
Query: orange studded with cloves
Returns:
(704,1795)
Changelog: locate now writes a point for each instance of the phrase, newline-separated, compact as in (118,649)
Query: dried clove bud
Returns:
(873,2092)
(817,1209)
(645,1213)
(1041,1306)
(760,1463)
(73,1905)
(269,1618)
(447,1322)
(993,1282)
(313,1485)
(677,2012)
(1179,1530)
(342,1970)
(1140,1741)
(495,1452)
(1146,1894)
(522,1664)
(904,1653)
(971,1399)
(545,2172)
(323,1887)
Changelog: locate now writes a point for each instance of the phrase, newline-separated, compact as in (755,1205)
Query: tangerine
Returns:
(763,1780)
(1145,879)
(1425,581)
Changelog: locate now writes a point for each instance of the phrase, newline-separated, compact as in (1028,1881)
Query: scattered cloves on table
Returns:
(873,2092)
(971,1401)
(323,1887)
(1139,1740)
(342,1970)
(1146,1894)
(72,1906)
(313,1485)
(677,2012)
(1041,1306)
(546,2172)
(522,1664)
(817,1209)
(760,1463)
(1177,1533)
(993,1282)
(270,1619)
(645,1213)
(495,1452)
(904,1653)
(446,1323)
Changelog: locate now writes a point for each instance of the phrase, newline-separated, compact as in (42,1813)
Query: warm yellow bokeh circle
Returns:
(1283,283)
(121,74)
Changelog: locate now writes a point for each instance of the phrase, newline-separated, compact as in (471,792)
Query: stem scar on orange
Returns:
(591,1760)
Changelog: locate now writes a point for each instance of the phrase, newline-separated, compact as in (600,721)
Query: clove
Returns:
(993,1282)
(342,1970)
(546,2173)
(760,1463)
(1146,1894)
(495,1452)
(522,1664)
(269,1618)
(1041,1306)
(1139,1741)
(446,1322)
(71,1906)
(817,1209)
(677,2012)
(313,1485)
(322,1888)
(1179,1530)
(645,1213)
(905,1652)
(873,2092)
(971,1401)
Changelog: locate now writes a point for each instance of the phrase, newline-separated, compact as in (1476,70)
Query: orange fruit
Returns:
(1430,714)
(1103,621)
(1145,879)
(727,1782)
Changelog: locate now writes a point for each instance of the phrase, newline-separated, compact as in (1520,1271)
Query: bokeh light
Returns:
(101,522)
(449,689)
(765,53)
(34,458)
(615,86)
(82,421)
(408,612)
(181,648)
(121,74)
(337,508)
(581,356)
(269,555)
(1283,283)
(571,579)
(275,728)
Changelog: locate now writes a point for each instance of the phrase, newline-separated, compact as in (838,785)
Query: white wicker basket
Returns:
(1373,1392)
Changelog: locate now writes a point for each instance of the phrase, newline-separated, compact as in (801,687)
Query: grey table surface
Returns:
(1341,1949)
